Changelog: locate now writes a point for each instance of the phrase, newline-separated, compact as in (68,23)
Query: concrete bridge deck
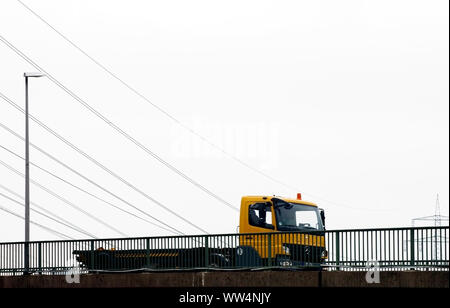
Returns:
(267,278)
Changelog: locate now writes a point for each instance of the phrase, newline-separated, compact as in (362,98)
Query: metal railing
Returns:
(421,248)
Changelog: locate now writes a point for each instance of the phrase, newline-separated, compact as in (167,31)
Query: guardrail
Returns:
(422,248)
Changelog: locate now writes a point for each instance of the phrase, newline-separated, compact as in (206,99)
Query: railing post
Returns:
(40,258)
(26,260)
(412,252)
(206,251)
(147,262)
(338,250)
(269,249)
(92,255)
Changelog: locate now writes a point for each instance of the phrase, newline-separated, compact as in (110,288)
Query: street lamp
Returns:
(27,176)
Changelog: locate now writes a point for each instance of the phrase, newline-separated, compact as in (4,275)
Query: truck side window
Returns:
(260,215)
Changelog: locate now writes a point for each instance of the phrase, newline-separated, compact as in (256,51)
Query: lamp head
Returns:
(33,74)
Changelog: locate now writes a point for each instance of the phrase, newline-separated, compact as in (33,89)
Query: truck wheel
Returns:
(104,261)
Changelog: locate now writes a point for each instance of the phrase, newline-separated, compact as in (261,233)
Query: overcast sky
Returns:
(346,102)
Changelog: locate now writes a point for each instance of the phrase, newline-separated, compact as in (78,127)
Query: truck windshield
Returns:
(297,217)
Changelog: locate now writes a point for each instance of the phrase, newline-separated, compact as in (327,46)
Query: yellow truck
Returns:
(273,231)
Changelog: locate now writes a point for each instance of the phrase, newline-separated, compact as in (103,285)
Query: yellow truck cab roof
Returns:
(258,198)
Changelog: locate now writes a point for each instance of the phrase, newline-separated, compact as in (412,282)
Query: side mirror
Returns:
(278,202)
(322,216)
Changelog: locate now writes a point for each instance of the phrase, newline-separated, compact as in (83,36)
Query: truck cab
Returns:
(282,231)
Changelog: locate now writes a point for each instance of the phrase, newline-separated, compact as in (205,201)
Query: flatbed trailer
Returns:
(300,256)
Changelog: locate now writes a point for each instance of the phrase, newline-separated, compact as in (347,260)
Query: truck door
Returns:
(260,220)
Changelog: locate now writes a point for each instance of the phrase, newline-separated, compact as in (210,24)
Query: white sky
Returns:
(347,101)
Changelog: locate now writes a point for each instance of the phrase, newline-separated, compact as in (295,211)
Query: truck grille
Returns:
(305,253)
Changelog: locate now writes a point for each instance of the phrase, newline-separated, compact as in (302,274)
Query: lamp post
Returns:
(27,177)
